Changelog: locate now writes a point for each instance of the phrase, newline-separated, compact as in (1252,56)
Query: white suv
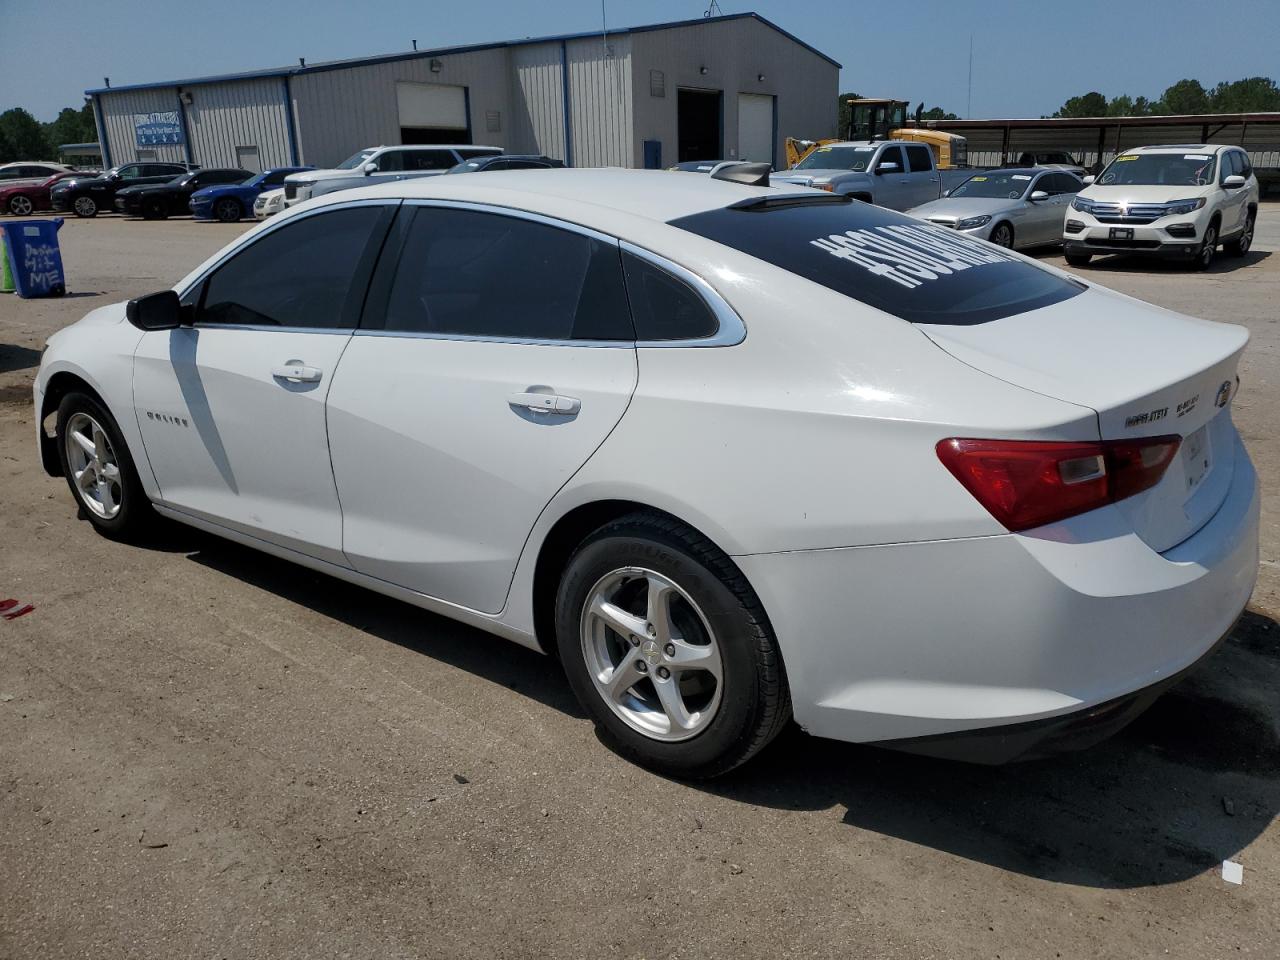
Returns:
(1177,201)
(375,165)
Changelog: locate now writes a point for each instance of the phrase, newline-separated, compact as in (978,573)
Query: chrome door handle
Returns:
(546,403)
(296,371)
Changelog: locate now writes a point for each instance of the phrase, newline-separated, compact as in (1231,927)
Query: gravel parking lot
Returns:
(206,752)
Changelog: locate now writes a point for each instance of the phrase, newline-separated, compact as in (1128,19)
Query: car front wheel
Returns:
(85,207)
(668,649)
(99,470)
(228,210)
(1204,258)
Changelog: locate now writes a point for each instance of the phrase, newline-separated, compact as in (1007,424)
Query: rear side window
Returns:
(311,273)
(468,153)
(916,271)
(663,306)
(428,159)
(918,157)
(467,273)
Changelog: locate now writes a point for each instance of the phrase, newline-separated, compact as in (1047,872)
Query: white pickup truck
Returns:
(897,174)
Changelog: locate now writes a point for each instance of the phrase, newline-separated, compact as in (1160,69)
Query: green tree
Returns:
(844,113)
(1185,96)
(1141,107)
(937,113)
(24,134)
(69,127)
(1092,104)
(6,149)
(1121,106)
(1250,95)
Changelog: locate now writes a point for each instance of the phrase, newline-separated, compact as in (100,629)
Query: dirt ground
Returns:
(206,752)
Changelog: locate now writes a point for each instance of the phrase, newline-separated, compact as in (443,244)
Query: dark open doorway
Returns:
(420,135)
(699,114)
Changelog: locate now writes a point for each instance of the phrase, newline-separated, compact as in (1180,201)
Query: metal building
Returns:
(717,87)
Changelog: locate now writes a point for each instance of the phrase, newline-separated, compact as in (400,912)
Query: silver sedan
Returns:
(1012,208)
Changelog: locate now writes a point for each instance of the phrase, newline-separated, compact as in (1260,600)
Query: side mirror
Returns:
(1088,179)
(1234,182)
(1038,195)
(113,176)
(887,167)
(369,168)
(155,311)
(946,193)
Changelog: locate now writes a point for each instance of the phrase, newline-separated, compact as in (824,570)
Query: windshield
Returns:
(1159,169)
(355,160)
(837,158)
(1004,186)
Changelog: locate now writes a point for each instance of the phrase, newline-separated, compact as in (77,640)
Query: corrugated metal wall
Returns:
(537,101)
(246,113)
(735,54)
(118,110)
(600,101)
(342,111)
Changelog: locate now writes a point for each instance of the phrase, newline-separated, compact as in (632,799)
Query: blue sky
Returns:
(1029,56)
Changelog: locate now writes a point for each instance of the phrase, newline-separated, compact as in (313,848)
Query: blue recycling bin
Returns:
(34,257)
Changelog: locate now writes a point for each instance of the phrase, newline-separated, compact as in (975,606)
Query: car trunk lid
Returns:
(1145,371)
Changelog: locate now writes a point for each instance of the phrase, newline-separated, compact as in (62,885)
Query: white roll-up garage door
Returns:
(755,127)
(436,105)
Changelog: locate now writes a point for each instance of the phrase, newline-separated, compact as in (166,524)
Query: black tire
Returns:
(135,517)
(84,207)
(21,205)
(154,210)
(1208,247)
(1079,259)
(754,702)
(1241,244)
(228,210)
(1002,235)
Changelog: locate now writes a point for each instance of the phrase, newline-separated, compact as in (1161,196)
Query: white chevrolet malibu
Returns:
(732,452)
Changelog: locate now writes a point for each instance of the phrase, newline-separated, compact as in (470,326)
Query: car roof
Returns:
(433,146)
(596,195)
(1179,147)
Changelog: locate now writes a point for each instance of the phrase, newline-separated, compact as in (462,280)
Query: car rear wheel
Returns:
(1241,244)
(85,207)
(228,210)
(1079,259)
(1209,246)
(1002,235)
(99,470)
(20,206)
(668,649)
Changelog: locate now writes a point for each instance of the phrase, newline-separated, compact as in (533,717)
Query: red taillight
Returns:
(1028,483)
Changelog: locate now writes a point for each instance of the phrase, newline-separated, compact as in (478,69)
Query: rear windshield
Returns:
(919,272)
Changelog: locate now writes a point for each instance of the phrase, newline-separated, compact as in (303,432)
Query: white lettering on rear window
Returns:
(909,255)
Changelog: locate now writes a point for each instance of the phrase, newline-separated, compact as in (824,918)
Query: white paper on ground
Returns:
(1232,872)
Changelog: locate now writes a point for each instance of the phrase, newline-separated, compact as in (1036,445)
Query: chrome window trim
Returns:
(730,330)
(269,227)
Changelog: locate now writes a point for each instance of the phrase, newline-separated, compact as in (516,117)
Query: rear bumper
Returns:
(1035,739)
(1078,620)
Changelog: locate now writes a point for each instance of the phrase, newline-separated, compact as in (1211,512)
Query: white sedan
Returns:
(733,453)
(268,203)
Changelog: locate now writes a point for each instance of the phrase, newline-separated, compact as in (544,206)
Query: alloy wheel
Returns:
(651,654)
(227,210)
(85,207)
(1002,236)
(1208,247)
(21,206)
(95,471)
(1246,238)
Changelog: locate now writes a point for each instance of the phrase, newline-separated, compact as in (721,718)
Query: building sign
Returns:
(155,129)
